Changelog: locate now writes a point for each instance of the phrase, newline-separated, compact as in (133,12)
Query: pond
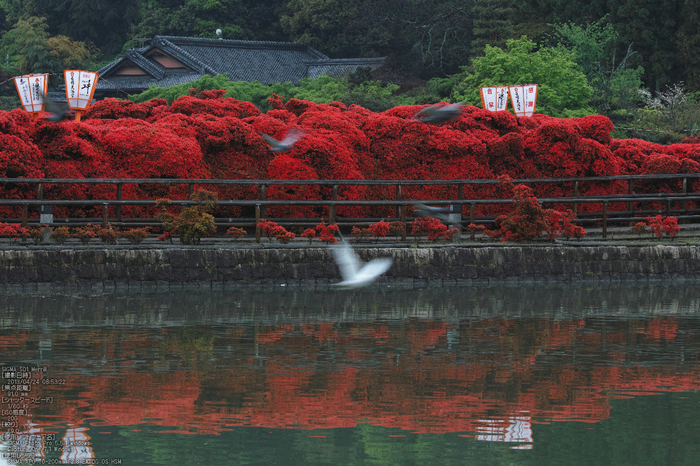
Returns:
(541,374)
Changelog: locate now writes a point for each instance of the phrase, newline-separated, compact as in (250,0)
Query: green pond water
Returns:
(566,374)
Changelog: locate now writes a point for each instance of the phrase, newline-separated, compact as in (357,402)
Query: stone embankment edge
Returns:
(107,269)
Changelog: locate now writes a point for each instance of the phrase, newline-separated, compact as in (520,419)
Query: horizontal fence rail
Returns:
(600,217)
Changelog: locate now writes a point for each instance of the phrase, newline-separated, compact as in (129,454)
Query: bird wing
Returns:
(292,136)
(427,111)
(423,210)
(52,107)
(347,261)
(373,269)
(437,114)
(270,140)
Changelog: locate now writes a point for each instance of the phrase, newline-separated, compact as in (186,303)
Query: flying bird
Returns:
(423,210)
(353,272)
(438,113)
(293,135)
(57,112)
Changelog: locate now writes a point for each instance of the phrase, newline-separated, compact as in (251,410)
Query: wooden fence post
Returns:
(332,208)
(630,205)
(605,220)
(263,211)
(398,198)
(258,231)
(119,198)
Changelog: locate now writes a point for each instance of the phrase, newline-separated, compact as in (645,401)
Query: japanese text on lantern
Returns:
(31,89)
(494,98)
(80,87)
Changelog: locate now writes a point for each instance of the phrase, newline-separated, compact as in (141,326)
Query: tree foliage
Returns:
(32,50)
(614,83)
(563,88)
(325,89)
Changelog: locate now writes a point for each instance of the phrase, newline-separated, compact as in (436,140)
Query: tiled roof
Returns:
(137,84)
(266,62)
(145,64)
(339,67)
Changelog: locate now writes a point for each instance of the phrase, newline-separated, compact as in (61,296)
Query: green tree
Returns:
(672,115)
(199,18)
(492,23)
(253,92)
(665,33)
(103,23)
(32,50)
(28,47)
(320,24)
(420,37)
(616,86)
(324,89)
(563,88)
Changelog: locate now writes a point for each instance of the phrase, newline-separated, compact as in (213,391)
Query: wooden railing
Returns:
(675,204)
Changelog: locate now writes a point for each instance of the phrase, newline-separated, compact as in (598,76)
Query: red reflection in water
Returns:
(489,377)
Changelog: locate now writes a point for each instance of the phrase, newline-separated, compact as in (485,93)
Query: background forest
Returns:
(635,62)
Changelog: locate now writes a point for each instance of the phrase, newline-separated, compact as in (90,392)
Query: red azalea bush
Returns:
(326,233)
(207,135)
(13,231)
(309,234)
(659,225)
(379,229)
(431,227)
(529,220)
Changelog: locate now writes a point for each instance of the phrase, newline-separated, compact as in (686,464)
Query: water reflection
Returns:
(371,371)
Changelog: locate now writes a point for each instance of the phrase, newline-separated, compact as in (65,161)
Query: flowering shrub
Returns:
(559,224)
(108,235)
(309,234)
(135,235)
(360,234)
(326,233)
(269,229)
(398,229)
(86,233)
(284,236)
(659,225)
(38,232)
(529,220)
(670,226)
(235,232)
(193,222)
(379,229)
(526,222)
(207,135)
(166,236)
(13,231)
(431,227)
(59,235)
(639,228)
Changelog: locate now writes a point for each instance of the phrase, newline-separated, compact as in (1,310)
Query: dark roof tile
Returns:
(241,60)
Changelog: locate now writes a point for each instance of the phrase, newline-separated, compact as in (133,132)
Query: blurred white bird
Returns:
(438,113)
(353,272)
(57,112)
(292,136)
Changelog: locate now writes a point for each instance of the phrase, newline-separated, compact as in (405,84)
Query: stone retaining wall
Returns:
(100,269)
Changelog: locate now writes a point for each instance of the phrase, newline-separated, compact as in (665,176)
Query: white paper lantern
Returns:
(80,87)
(524,99)
(31,89)
(494,98)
